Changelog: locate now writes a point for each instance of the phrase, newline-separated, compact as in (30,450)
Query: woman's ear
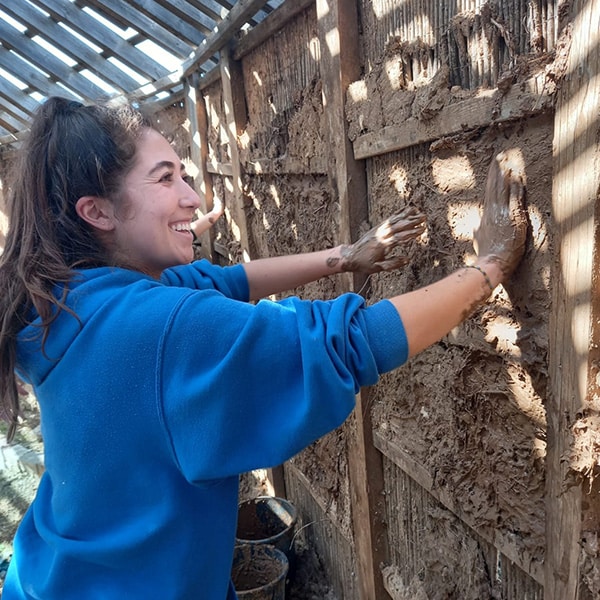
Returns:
(96,211)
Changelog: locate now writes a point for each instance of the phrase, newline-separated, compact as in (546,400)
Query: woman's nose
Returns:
(190,197)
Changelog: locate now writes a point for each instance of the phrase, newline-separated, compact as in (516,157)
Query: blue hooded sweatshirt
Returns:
(153,399)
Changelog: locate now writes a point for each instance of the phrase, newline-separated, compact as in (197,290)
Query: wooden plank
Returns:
(322,534)
(192,23)
(159,28)
(15,96)
(337,25)
(196,114)
(21,69)
(224,31)
(575,312)
(233,95)
(210,77)
(503,542)
(9,122)
(110,41)
(218,168)
(213,43)
(489,106)
(271,25)
(33,52)
(70,44)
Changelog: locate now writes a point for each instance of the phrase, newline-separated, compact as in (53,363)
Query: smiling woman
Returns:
(159,378)
(151,230)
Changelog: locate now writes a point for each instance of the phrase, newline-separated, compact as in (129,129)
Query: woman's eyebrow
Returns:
(165,164)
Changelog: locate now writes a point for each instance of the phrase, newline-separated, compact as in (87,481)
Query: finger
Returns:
(407,236)
(408,213)
(393,263)
(413,224)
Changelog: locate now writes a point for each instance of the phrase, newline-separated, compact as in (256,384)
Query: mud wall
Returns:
(459,433)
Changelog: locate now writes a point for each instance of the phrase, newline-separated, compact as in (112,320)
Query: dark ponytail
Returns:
(71,151)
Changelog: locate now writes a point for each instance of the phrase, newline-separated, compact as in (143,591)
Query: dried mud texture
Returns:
(399,90)
(301,216)
(174,125)
(292,137)
(470,409)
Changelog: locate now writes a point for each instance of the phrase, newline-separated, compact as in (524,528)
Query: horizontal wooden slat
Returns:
(159,28)
(489,106)
(69,44)
(102,36)
(45,61)
(225,169)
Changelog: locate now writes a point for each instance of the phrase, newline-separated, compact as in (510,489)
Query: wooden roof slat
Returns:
(70,44)
(9,107)
(181,20)
(210,8)
(15,96)
(192,31)
(165,28)
(224,31)
(22,70)
(47,62)
(102,36)
(9,122)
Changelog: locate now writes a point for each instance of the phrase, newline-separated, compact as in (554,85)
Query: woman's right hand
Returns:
(501,235)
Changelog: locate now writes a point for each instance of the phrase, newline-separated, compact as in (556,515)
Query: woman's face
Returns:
(152,230)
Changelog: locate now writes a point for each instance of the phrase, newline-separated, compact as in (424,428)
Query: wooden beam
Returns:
(489,106)
(103,37)
(271,25)
(45,61)
(241,12)
(218,168)
(196,114)
(575,301)
(210,77)
(24,71)
(337,26)
(235,114)
(68,43)
(160,28)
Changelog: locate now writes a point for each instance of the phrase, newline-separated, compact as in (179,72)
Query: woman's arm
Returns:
(431,312)
(205,222)
(373,252)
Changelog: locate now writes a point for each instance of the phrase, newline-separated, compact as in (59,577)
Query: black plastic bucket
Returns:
(259,572)
(267,520)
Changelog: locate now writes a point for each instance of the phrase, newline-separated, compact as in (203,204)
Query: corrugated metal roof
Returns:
(101,49)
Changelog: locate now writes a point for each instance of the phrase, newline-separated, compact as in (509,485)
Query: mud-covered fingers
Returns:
(391,264)
(414,224)
(407,235)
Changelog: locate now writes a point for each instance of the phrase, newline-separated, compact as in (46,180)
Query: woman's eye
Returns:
(167,177)
(189,180)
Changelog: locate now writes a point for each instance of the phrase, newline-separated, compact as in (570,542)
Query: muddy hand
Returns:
(377,249)
(503,228)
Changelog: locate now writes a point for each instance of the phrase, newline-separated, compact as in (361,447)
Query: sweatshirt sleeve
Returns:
(202,274)
(245,386)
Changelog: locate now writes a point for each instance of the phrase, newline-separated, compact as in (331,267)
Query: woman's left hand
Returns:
(377,250)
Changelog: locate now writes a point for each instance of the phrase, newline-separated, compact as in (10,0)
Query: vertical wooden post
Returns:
(337,23)
(235,114)
(575,306)
(196,114)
